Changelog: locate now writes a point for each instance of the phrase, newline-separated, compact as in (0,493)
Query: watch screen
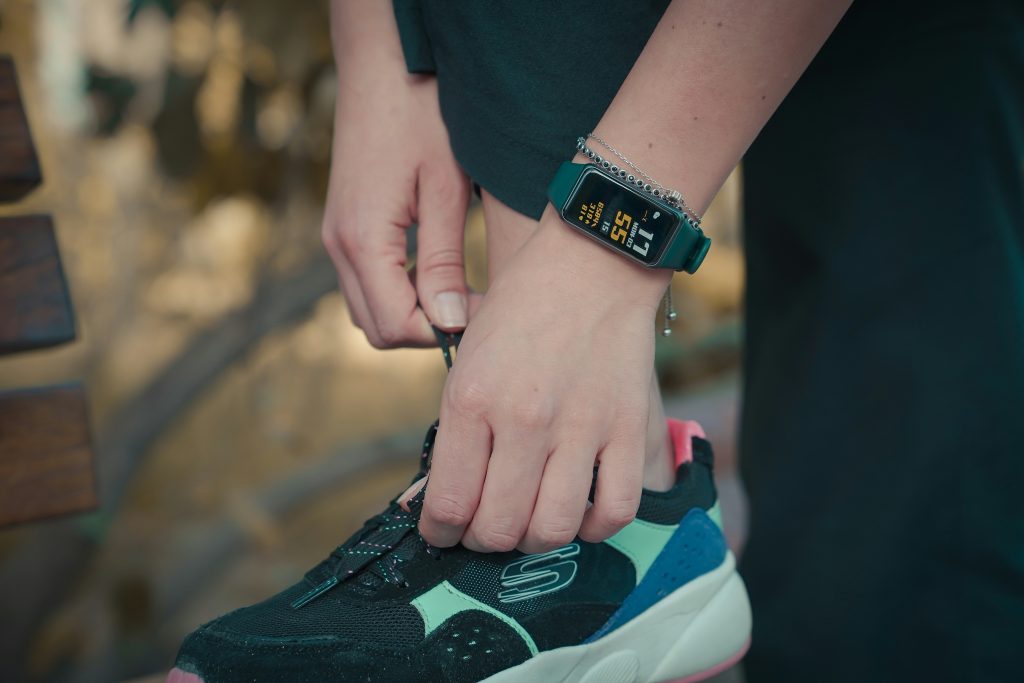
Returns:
(620,217)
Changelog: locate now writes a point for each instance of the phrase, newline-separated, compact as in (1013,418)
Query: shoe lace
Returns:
(382,545)
(386,540)
(375,552)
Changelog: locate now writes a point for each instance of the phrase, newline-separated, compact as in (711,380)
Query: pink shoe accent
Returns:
(179,676)
(717,668)
(682,432)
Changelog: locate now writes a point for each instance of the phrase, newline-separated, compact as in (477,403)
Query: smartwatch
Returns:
(623,217)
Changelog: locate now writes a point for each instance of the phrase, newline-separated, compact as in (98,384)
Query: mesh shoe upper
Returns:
(368,612)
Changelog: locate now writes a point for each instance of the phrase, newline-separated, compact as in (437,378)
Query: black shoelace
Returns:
(387,540)
(376,551)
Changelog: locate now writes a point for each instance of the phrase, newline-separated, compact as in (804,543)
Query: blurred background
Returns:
(243,427)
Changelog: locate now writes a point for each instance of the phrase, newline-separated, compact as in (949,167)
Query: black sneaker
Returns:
(658,601)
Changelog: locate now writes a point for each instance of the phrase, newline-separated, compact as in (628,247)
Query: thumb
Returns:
(440,273)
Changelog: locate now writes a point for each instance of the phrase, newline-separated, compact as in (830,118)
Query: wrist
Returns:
(597,266)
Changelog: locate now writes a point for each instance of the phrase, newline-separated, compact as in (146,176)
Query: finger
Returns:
(473,297)
(349,284)
(391,299)
(357,308)
(617,496)
(440,272)
(457,470)
(562,499)
(510,491)
(409,493)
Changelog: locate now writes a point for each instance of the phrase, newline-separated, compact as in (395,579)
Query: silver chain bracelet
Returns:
(639,178)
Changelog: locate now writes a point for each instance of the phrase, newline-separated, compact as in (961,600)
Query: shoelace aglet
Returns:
(315,592)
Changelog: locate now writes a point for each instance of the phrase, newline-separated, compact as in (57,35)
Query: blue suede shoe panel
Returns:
(695,548)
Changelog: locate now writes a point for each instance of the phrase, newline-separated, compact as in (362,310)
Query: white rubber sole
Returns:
(697,631)
(692,634)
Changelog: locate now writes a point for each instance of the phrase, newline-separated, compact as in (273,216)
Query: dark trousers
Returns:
(883,420)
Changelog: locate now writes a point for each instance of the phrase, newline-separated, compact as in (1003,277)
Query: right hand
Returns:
(392,166)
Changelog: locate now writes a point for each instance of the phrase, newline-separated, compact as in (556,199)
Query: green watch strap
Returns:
(685,252)
(687,249)
(564,181)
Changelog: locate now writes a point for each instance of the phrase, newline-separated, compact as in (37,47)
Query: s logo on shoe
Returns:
(535,575)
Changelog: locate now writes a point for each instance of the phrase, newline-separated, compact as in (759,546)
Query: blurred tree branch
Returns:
(133,428)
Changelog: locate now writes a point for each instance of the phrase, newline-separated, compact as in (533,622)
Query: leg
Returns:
(884,375)
(507,230)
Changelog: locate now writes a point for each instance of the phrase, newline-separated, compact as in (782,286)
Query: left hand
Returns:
(553,376)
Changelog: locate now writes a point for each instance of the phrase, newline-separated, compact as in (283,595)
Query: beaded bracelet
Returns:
(638,177)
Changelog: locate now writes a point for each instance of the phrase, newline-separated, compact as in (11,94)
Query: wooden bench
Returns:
(46,458)
(19,165)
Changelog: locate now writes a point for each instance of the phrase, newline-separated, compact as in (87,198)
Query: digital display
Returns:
(621,217)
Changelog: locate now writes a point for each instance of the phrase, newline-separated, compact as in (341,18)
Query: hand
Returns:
(552,376)
(392,166)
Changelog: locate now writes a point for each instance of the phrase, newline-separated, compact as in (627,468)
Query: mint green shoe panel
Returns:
(641,542)
(715,513)
(444,601)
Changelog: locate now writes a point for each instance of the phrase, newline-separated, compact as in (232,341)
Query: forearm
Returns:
(709,78)
(365,40)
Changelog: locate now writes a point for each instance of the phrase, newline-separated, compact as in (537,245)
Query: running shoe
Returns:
(659,601)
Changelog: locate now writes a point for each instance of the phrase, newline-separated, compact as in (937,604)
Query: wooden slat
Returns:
(19,166)
(46,460)
(35,309)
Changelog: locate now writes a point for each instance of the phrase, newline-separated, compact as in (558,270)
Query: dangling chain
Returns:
(670,312)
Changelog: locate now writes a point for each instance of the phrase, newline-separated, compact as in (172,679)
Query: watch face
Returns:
(621,217)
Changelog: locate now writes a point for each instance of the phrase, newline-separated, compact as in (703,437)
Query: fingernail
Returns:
(451,309)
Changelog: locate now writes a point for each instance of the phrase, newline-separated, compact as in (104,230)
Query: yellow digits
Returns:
(621,230)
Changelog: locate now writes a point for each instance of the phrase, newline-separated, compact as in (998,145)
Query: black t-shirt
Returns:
(520,80)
